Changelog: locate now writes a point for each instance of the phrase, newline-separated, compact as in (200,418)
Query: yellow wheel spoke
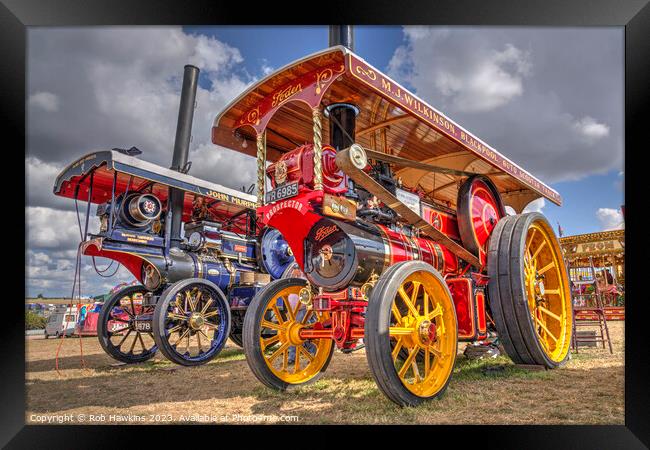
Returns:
(269,341)
(285,360)
(541,324)
(307,316)
(306,353)
(437,353)
(407,301)
(546,267)
(211,325)
(279,351)
(407,363)
(416,290)
(539,249)
(289,309)
(437,311)
(398,347)
(416,371)
(530,238)
(427,363)
(276,311)
(271,325)
(396,313)
(296,363)
(549,313)
(400,331)
(426,304)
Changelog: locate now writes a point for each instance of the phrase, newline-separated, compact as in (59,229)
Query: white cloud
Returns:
(56,229)
(115,87)
(44,100)
(482,81)
(610,219)
(590,130)
(524,92)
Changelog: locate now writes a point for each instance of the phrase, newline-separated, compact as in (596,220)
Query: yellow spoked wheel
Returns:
(411,333)
(275,352)
(529,291)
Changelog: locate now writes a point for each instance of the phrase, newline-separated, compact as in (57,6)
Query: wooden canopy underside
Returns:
(393,121)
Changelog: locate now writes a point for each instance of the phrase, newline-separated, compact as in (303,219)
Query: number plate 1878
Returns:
(282,192)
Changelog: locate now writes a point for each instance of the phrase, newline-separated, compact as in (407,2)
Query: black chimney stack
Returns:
(342,35)
(342,115)
(182,147)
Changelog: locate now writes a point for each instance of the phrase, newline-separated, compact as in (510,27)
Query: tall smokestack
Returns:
(182,147)
(342,35)
(342,115)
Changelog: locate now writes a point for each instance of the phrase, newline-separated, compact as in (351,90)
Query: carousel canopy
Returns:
(392,120)
(606,243)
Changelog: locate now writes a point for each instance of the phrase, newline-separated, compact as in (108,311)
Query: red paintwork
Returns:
(404,248)
(484,214)
(443,221)
(294,218)
(103,182)
(132,262)
(300,168)
(480,308)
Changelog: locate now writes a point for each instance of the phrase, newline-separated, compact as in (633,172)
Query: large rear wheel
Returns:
(411,333)
(529,291)
(276,354)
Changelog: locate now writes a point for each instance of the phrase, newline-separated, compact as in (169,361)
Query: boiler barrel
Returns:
(339,254)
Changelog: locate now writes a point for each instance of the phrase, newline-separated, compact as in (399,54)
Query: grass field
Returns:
(587,390)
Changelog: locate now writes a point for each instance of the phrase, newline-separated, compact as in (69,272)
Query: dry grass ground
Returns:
(588,390)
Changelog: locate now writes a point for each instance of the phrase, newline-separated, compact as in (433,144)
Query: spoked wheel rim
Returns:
(423,352)
(123,337)
(195,323)
(547,291)
(290,358)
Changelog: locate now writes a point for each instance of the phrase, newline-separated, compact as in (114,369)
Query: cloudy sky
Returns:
(550,99)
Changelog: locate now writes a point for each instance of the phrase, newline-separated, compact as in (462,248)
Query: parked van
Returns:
(62,320)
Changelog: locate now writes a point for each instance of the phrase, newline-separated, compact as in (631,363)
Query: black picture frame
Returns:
(634,15)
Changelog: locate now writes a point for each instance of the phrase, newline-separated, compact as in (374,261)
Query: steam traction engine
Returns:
(395,214)
(194,246)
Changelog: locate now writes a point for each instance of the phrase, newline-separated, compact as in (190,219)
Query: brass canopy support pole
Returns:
(261,166)
(318,149)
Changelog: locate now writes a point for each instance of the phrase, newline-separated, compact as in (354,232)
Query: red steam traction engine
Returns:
(397,220)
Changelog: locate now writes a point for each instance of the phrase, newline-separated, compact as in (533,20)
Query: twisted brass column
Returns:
(261,165)
(318,149)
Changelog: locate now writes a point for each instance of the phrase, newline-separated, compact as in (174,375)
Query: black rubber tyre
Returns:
(507,290)
(237,338)
(377,338)
(104,335)
(162,324)
(252,332)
